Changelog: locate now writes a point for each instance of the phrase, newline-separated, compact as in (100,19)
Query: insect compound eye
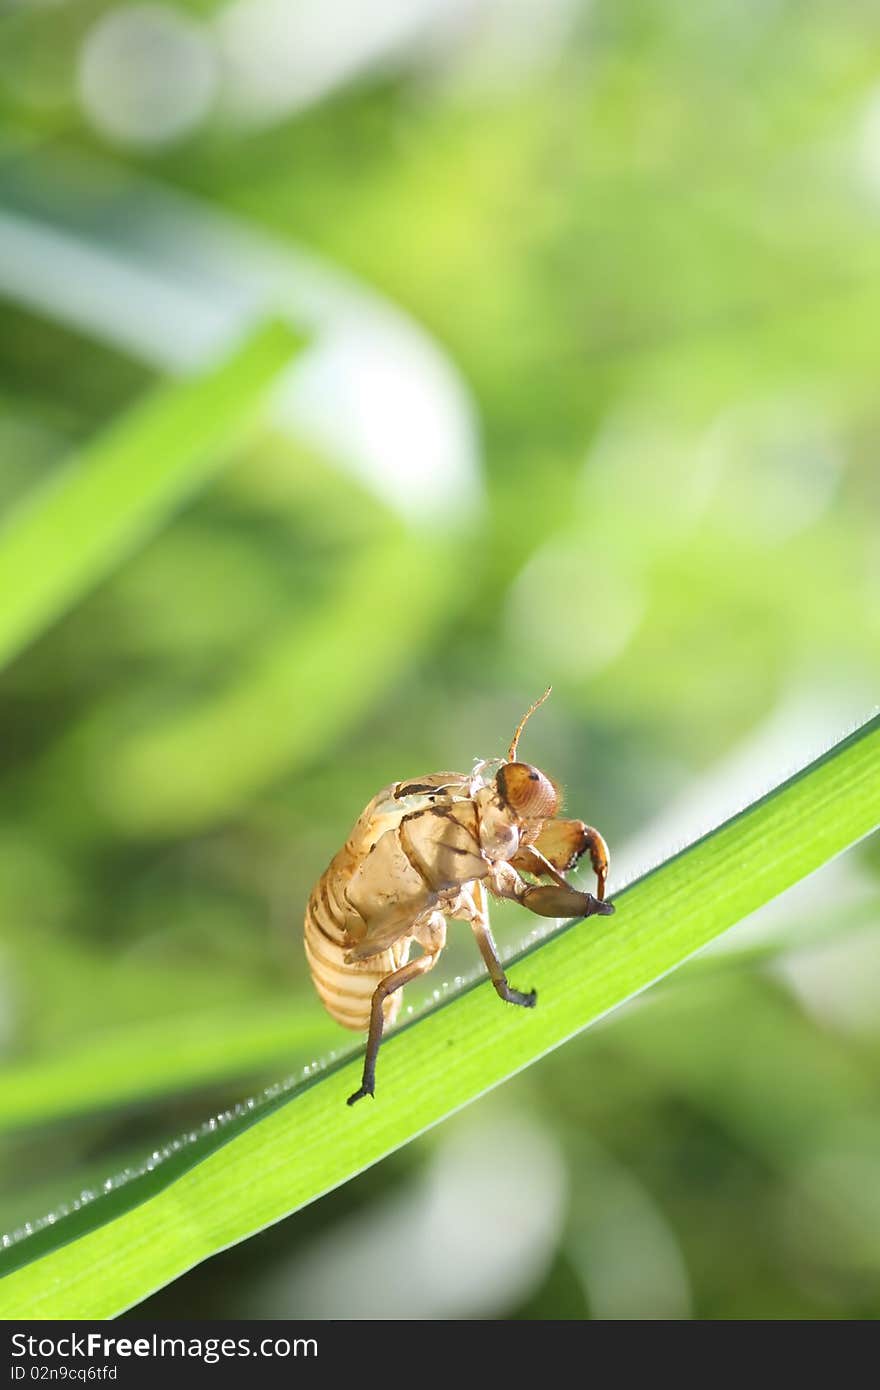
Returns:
(527,791)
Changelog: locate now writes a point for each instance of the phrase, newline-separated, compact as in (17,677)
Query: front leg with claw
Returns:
(557,899)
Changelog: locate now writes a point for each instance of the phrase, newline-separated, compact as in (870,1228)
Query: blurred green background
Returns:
(589,296)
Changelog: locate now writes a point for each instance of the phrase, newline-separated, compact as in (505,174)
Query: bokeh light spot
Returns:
(147,75)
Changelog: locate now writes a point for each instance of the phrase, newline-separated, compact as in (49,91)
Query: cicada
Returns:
(433,848)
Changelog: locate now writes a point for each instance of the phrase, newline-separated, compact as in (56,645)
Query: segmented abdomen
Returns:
(346,991)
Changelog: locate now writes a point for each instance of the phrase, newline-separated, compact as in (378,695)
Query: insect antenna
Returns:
(511,752)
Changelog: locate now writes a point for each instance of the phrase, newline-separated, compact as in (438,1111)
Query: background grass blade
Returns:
(70,533)
(313,1142)
(130,1066)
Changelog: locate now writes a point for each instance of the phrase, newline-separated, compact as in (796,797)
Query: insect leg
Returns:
(432,937)
(547,900)
(559,847)
(489,951)
(598,851)
(530,858)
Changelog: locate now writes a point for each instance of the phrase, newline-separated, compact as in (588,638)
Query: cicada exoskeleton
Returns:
(429,849)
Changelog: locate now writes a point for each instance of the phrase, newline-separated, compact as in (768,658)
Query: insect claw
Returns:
(358,1095)
(525,999)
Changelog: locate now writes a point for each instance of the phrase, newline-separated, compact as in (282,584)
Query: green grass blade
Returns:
(150,1230)
(138,1063)
(163,1059)
(70,533)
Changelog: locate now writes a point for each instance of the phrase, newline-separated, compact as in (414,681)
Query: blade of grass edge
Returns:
(313,1142)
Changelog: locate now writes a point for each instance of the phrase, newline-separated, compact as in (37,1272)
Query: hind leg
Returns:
(431,936)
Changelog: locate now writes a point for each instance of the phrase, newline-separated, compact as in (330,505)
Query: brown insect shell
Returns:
(499,829)
(527,791)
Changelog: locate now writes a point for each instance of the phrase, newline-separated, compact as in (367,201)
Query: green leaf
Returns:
(67,535)
(131,1065)
(164,1057)
(167,1057)
(235,1179)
